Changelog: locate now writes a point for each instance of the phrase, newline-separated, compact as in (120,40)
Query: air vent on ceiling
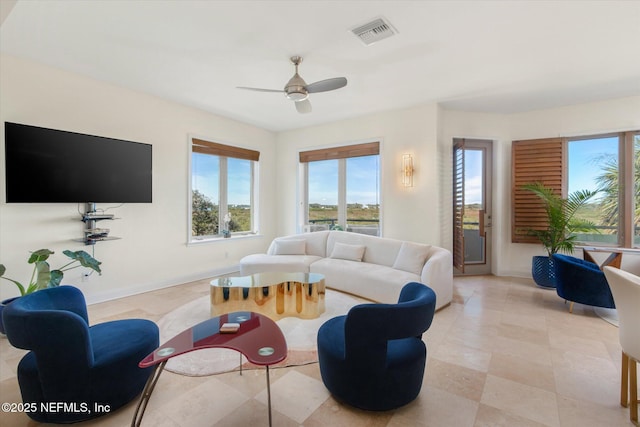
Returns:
(374,31)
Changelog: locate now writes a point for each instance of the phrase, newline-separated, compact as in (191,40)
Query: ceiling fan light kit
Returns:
(298,90)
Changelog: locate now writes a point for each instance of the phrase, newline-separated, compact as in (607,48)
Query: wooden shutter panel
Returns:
(538,160)
(458,206)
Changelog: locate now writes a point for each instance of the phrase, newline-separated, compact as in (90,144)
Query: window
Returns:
(607,163)
(222,186)
(593,165)
(342,188)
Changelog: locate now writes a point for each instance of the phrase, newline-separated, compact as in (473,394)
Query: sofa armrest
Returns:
(437,273)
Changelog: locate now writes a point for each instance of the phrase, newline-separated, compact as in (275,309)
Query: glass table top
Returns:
(266,279)
(259,339)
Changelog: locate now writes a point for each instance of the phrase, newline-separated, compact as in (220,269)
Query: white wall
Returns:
(408,213)
(153,252)
(585,119)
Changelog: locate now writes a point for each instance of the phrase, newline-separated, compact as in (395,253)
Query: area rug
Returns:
(300,335)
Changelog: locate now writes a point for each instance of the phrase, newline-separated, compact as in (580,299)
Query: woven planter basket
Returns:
(543,272)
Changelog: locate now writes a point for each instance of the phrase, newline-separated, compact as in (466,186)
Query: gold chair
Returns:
(626,293)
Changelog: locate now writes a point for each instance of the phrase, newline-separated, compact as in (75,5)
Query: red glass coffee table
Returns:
(258,338)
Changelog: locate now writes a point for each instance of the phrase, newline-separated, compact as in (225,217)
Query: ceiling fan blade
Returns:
(326,85)
(259,90)
(303,107)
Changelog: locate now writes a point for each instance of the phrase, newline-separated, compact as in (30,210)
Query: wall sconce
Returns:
(407,170)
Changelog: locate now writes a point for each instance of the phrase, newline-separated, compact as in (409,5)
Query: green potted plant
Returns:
(43,277)
(559,235)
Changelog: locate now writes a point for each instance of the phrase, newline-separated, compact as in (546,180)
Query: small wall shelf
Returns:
(93,234)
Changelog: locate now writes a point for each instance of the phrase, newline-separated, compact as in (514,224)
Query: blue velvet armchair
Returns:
(71,363)
(581,281)
(374,358)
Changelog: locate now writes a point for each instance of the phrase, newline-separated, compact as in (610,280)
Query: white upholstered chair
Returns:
(626,294)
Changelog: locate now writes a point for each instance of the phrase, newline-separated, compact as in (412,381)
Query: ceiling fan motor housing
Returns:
(296,88)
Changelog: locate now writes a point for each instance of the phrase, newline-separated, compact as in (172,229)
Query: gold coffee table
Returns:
(274,294)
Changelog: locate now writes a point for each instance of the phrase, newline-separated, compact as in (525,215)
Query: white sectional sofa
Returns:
(375,268)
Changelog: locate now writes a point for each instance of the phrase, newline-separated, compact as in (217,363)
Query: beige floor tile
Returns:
(579,413)
(522,371)
(584,385)
(335,414)
(204,405)
(254,413)
(286,395)
(566,342)
(522,333)
(489,416)
(462,355)
(522,400)
(531,321)
(436,408)
(455,379)
(535,353)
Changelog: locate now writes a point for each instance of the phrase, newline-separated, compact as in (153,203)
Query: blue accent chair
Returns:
(74,363)
(374,358)
(581,281)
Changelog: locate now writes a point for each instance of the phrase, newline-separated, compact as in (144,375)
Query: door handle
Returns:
(484,222)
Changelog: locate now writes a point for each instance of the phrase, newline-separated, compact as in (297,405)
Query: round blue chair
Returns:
(73,366)
(374,358)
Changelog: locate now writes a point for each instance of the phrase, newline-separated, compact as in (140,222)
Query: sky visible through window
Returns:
(586,160)
(362,181)
(472,176)
(206,172)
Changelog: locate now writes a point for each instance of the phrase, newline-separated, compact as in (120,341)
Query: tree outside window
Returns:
(221,190)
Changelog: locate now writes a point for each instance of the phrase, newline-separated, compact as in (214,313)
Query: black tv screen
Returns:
(53,166)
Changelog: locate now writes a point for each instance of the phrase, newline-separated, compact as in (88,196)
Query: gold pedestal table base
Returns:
(274,294)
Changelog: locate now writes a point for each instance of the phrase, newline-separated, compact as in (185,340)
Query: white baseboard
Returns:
(154,286)
(515,273)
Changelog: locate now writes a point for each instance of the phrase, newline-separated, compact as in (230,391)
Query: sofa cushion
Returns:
(290,247)
(379,250)
(348,252)
(411,257)
(315,243)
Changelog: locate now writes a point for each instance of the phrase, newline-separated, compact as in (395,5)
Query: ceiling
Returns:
(485,56)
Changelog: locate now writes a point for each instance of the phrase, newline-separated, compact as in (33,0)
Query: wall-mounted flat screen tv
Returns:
(53,166)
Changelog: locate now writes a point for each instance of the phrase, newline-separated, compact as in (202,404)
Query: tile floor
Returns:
(504,353)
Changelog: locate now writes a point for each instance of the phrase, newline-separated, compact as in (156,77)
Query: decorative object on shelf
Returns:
(407,170)
(43,277)
(227,221)
(558,235)
(93,234)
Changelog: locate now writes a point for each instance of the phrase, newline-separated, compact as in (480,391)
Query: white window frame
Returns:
(222,191)
(302,217)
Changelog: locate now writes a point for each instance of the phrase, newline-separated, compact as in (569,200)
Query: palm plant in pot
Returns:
(562,226)
(42,276)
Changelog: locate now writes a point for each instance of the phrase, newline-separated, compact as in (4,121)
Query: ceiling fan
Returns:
(298,90)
